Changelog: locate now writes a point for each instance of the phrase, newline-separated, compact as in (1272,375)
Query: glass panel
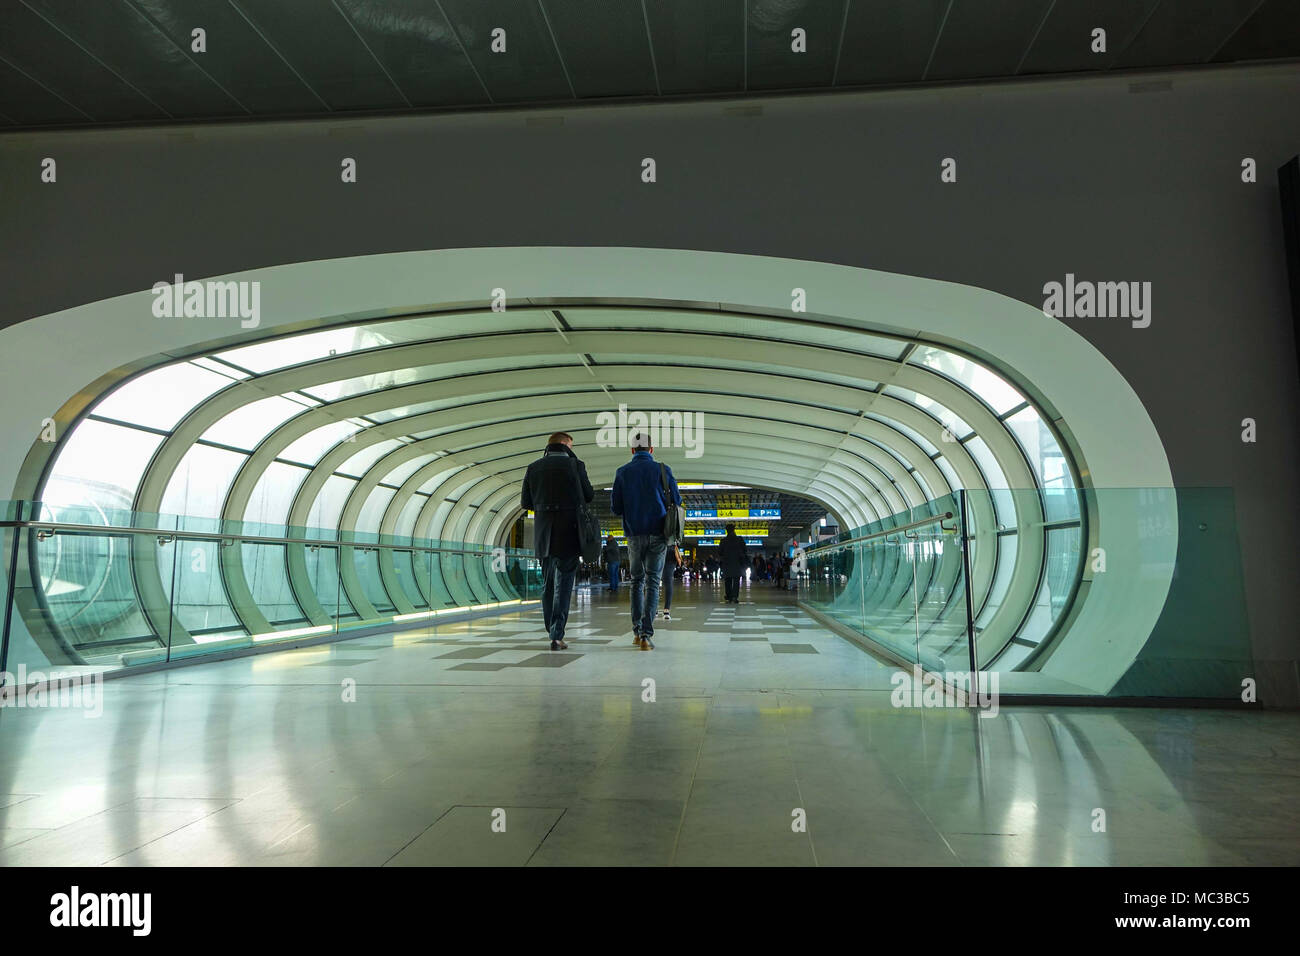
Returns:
(907,430)
(268,504)
(97,469)
(1060,499)
(406,470)
(996,481)
(311,447)
(404,568)
(943,465)
(161,398)
(950,419)
(197,488)
(299,349)
(322,572)
(199,598)
(405,525)
(373,510)
(88,595)
(249,424)
(360,463)
(452,567)
(1007,546)
(367,564)
(987,385)
(268,580)
(328,506)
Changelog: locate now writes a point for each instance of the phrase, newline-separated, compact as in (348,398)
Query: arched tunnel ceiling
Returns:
(849,407)
(421,428)
(867,425)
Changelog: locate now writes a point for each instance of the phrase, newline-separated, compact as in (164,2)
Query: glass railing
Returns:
(1102,592)
(899,582)
(109,589)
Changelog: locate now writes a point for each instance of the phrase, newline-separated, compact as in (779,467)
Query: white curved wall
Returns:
(1120,445)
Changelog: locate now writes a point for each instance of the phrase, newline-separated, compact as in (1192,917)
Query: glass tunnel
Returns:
(349,474)
(363,473)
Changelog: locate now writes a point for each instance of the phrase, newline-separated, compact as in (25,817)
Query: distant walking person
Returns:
(639,497)
(671,563)
(611,561)
(554,486)
(734,560)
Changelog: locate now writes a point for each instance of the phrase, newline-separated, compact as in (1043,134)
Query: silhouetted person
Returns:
(610,554)
(638,496)
(734,559)
(554,486)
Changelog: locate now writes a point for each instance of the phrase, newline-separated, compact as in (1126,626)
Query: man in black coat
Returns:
(554,486)
(734,558)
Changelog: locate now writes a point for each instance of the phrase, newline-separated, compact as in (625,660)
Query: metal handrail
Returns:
(880,534)
(100,530)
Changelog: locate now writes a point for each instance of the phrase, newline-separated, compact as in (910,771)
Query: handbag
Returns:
(589,538)
(674,515)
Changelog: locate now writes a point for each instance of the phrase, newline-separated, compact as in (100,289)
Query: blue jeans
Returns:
(613,575)
(558,574)
(646,553)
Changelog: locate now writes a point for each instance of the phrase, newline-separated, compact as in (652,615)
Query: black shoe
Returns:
(559,646)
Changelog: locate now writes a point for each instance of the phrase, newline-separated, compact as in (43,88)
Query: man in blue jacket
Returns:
(639,498)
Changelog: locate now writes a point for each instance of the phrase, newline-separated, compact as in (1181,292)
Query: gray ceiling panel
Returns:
(82,63)
(773,64)
(1064,42)
(45,53)
(888,42)
(130,45)
(237,58)
(619,61)
(323,48)
(699,45)
(1189,31)
(529,68)
(1272,32)
(983,38)
(415,43)
(26,102)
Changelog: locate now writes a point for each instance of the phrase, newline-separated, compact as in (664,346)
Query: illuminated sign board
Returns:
(733,513)
(743,532)
(714,542)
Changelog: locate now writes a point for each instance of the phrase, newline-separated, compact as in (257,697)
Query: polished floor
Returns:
(471,744)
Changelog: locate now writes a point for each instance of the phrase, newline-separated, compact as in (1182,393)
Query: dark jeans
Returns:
(668,586)
(732,588)
(613,575)
(558,574)
(647,553)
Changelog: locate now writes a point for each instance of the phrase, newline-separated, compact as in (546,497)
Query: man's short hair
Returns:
(559,438)
(731,527)
(640,440)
